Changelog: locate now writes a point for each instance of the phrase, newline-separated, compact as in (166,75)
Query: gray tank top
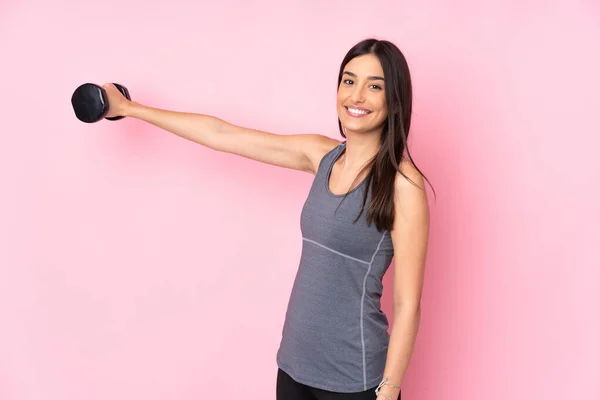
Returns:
(335,335)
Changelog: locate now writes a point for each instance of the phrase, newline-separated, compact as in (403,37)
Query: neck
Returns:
(360,149)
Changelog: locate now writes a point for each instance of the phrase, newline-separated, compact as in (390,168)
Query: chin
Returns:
(361,128)
(361,125)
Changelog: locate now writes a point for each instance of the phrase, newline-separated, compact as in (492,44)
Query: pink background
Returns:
(137,265)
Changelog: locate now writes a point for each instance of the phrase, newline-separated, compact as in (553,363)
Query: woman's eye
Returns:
(376,87)
(348,82)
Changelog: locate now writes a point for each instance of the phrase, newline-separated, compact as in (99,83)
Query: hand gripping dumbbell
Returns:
(90,102)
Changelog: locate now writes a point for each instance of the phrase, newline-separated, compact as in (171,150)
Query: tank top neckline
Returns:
(340,151)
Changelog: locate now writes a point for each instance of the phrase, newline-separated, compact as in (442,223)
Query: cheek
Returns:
(383,111)
(340,96)
(381,107)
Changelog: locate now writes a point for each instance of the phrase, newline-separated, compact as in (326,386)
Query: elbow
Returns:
(407,308)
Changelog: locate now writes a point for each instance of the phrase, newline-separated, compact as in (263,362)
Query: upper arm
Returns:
(299,151)
(410,236)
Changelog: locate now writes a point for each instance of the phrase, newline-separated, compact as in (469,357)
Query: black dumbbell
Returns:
(91,104)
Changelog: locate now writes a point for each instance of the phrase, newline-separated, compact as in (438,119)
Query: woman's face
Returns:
(361,103)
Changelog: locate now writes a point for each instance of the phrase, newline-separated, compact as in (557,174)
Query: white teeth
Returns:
(355,111)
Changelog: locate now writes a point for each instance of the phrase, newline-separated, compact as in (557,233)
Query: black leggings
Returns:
(289,389)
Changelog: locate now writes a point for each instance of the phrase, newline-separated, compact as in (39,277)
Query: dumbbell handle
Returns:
(125,93)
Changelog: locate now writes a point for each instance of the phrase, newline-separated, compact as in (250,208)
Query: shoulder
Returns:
(410,195)
(408,172)
(319,146)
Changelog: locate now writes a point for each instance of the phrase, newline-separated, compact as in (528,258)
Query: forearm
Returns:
(400,348)
(198,128)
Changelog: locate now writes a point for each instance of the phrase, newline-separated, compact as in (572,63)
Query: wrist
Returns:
(388,393)
(132,109)
(387,390)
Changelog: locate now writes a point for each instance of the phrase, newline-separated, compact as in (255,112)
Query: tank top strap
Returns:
(328,160)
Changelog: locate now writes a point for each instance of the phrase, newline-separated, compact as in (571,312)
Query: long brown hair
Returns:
(386,163)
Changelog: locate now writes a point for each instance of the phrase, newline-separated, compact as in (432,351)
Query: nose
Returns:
(357,95)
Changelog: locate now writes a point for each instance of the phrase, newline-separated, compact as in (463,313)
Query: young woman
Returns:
(367,205)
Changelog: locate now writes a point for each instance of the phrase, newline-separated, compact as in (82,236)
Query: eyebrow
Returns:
(373,78)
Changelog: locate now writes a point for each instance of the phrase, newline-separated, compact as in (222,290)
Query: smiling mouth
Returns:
(357,112)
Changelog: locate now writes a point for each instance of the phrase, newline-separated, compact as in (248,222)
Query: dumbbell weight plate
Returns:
(89,102)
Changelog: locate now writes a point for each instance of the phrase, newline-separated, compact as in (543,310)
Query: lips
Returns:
(357,112)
